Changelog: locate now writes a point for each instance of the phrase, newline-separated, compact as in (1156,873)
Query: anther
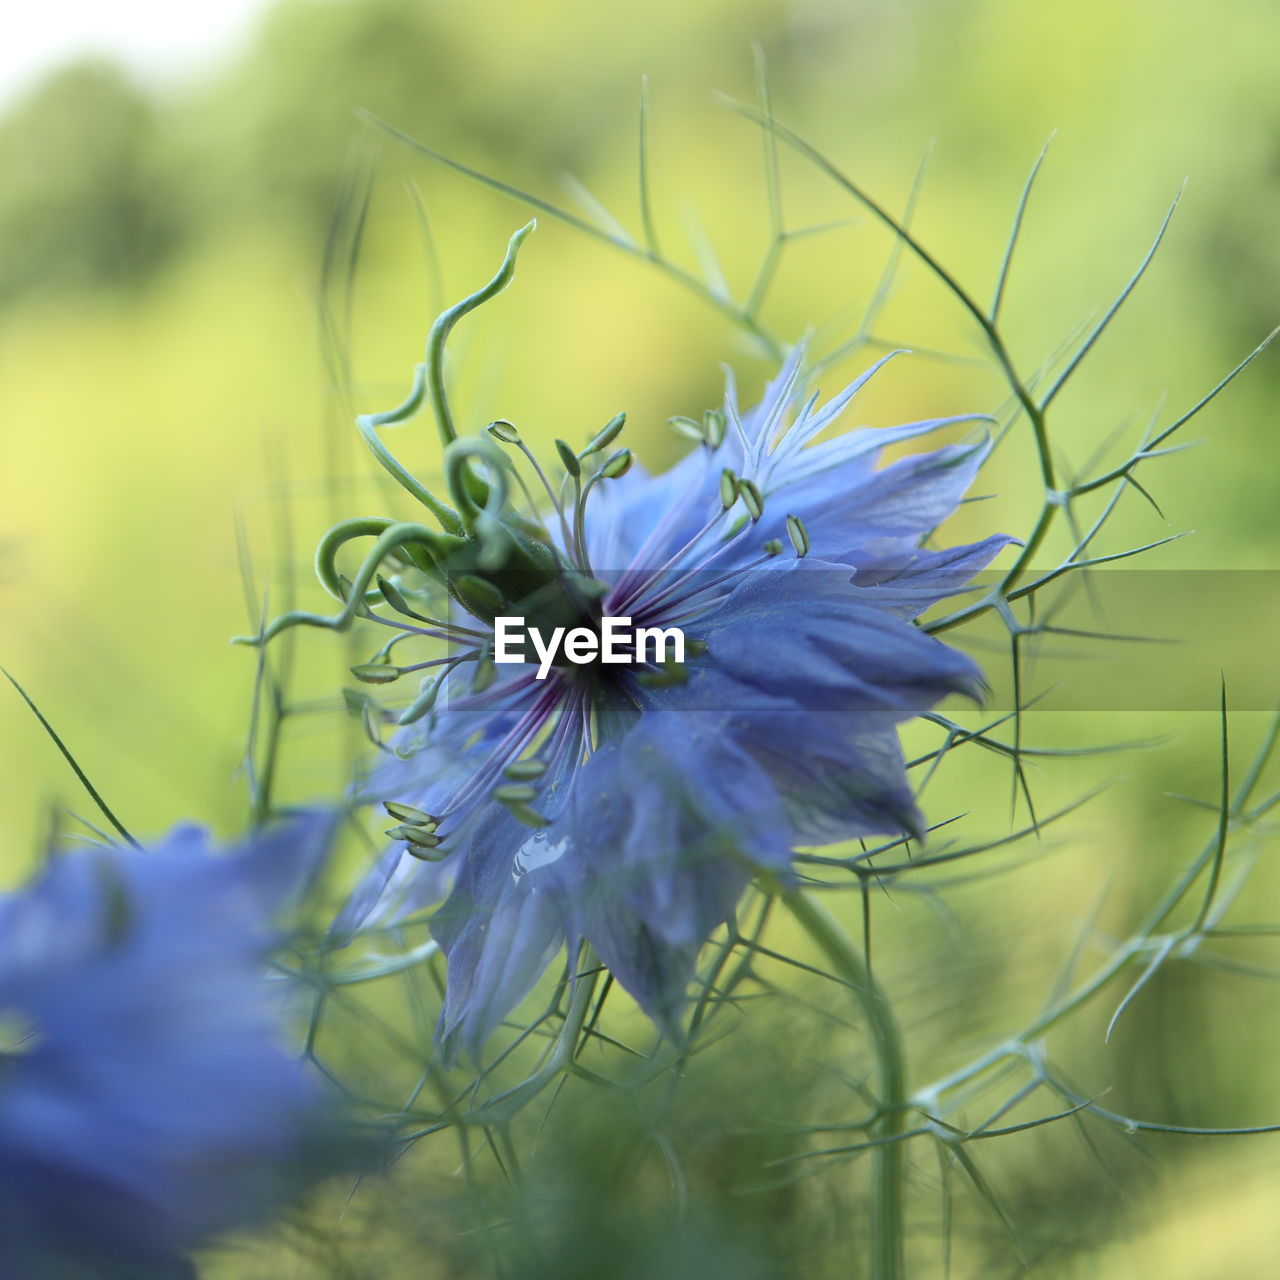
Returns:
(525,770)
(687,427)
(514,793)
(478,595)
(605,436)
(752,499)
(423,703)
(393,597)
(415,836)
(410,816)
(713,426)
(667,676)
(375,673)
(569,459)
(419,843)
(485,674)
(504,431)
(529,817)
(799,535)
(618,465)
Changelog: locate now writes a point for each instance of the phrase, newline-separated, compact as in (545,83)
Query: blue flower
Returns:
(145,1101)
(630,805)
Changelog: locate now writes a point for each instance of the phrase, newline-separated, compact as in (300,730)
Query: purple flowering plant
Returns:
(629,808)
(616,719)
(639,816)
(148,1100)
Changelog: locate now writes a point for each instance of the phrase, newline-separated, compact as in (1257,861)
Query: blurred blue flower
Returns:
(145,1101)
(631,805)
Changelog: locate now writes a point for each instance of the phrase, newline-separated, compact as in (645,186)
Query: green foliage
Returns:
(83,201)
(132,421)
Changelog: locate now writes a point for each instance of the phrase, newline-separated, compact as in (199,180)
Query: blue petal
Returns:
(804,635)
(912,584)
(655,973)
(499,930)
(155,1105)
(839,782)
(504,919)
(672,821)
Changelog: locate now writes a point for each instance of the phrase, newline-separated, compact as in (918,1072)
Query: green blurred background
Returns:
(165,374)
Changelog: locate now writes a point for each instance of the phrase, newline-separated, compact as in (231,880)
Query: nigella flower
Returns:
(145,1101)
(630,805)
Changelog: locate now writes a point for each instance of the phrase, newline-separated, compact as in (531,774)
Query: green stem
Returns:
(886,1253)
(368,423)
(564,1052)
(444,325)
(736,312)
(390,535)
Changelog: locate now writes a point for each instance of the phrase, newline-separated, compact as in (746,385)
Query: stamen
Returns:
(395,598)
(688,428)
(605,436)
(709,432)
(419,843)
(486,673)
(514,793)
(501,429)
(634,606)
(478,595)
(376,673)
(799,536)
(447,631)
(525,770)
(578,547)
(505,432)
(410,815)
(646,612)
(674,515)
(528,817)
(628,603)
(751,499)
(432,663)
(384,654)
(485,698)
(667,676)
(556,504)
(512,743)
(569,460)
(714,427)
(386,673)
(430,690)
(618,465)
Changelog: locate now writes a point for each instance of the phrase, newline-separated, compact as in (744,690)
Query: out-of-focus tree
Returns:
(102,183)
(81,202)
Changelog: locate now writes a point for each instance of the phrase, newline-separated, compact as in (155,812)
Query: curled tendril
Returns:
(428,380)
(391,536)
(444,325)
(481,501)
(368,423)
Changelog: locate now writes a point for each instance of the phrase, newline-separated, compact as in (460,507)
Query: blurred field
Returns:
(162,374)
